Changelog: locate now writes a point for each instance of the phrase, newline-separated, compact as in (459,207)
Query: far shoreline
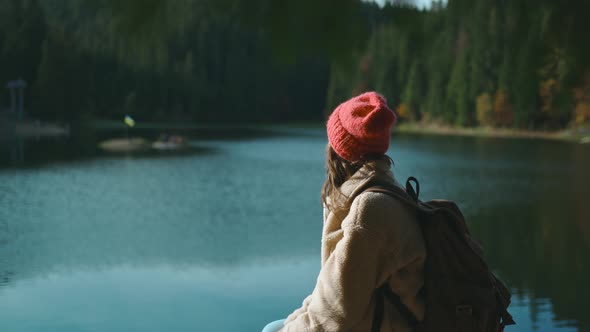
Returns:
(581,135)
(569,135)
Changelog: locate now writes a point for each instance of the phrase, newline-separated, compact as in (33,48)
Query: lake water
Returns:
(228,238)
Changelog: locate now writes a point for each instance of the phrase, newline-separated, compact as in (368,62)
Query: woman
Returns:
(369,239)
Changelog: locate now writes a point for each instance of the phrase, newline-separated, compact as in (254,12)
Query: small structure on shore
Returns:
(13,119)
(17,96)
(38,129)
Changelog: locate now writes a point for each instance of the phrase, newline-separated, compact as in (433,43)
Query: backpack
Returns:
(460,291)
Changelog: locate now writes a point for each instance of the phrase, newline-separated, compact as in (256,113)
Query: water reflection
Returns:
(543,254)
(536,231)
(155,298)
(178,243)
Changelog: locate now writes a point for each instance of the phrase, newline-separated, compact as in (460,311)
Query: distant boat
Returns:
(169,143)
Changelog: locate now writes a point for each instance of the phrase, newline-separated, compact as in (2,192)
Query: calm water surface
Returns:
(228,238)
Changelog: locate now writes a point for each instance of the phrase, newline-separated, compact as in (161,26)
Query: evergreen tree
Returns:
(459,109)
(264,60)
(413,92)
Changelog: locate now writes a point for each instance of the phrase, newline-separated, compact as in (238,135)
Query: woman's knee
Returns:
(274,326)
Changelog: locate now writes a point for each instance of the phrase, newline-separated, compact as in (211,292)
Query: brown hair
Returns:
(338,170)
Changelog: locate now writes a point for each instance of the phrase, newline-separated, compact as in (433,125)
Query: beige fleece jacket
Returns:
(367,239)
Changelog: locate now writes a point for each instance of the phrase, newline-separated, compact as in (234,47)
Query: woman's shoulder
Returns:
(374,210)
(375,200)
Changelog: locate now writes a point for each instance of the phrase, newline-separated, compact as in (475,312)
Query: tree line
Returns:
(518,63)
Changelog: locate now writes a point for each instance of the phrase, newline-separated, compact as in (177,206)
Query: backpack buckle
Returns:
(464,310)
(465,319)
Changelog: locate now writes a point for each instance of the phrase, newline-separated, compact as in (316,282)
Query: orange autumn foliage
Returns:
(403,111)
(484,109)
(582,99)
(548,89)
(503,114)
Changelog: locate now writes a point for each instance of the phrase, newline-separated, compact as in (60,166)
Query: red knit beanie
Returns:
(360,126)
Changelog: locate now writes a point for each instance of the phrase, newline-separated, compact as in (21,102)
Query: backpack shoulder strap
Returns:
(385,292)
(408,196)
